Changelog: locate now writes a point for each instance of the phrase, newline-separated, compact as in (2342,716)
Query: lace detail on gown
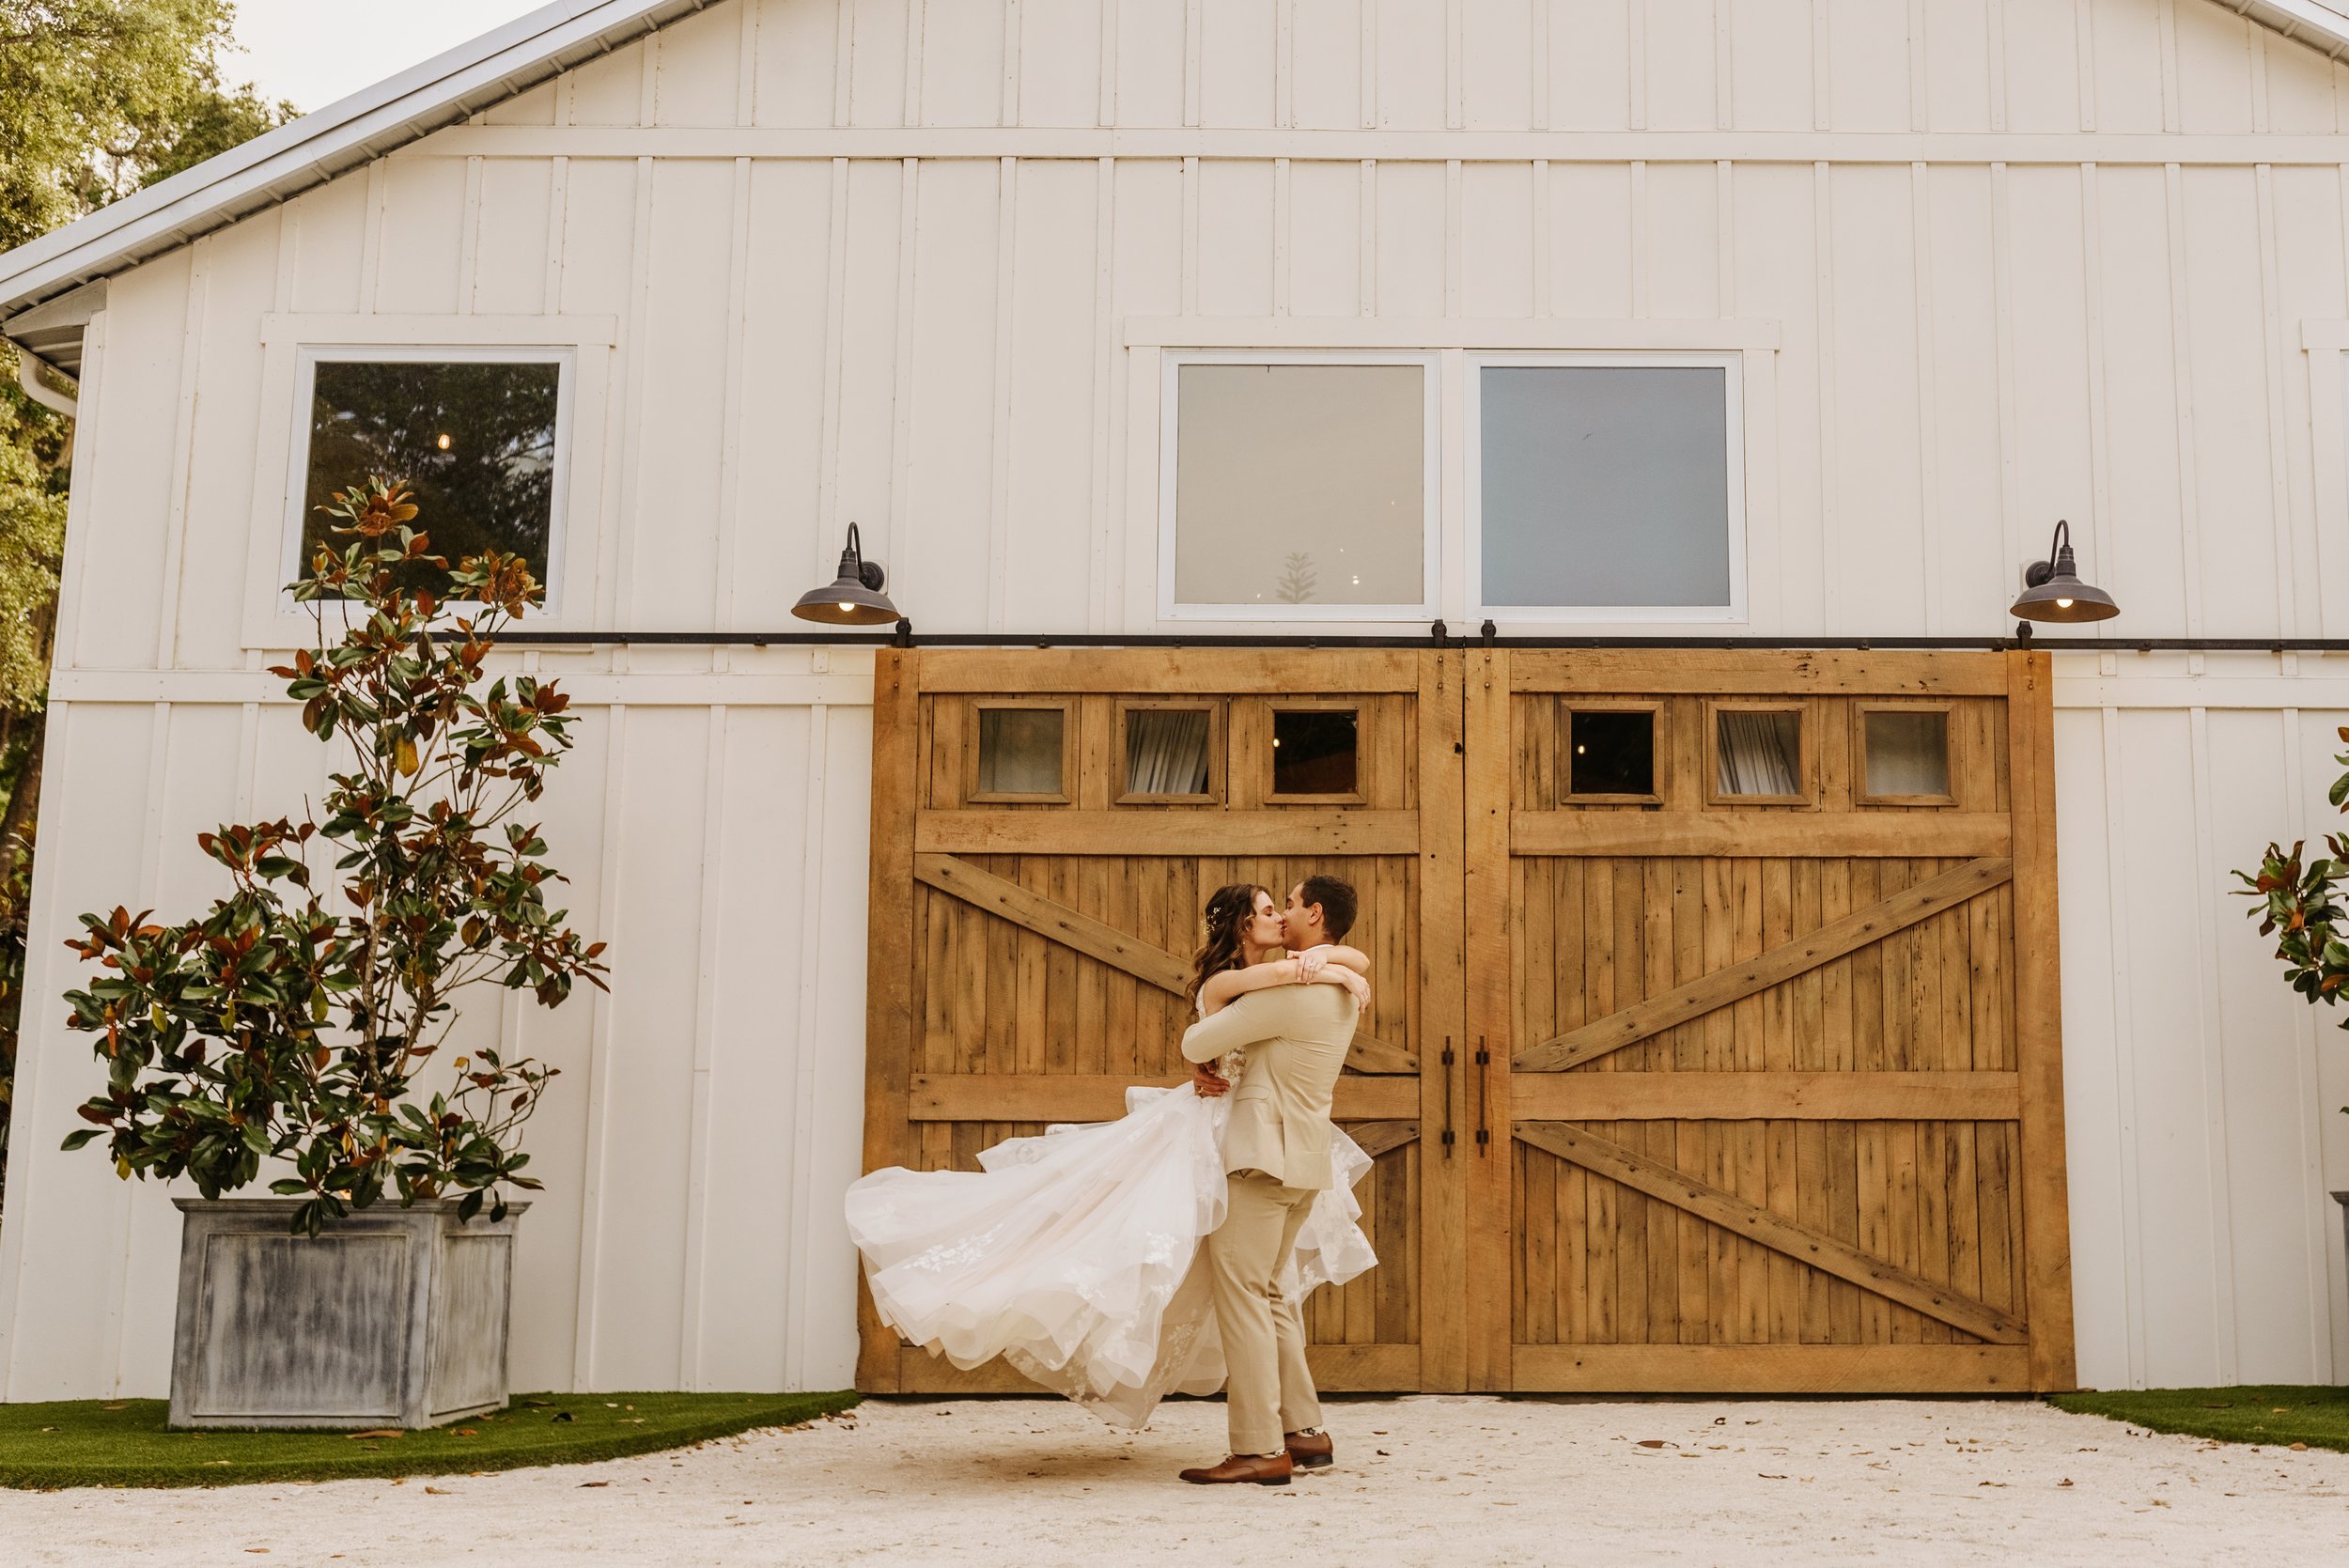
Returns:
(1076,1255)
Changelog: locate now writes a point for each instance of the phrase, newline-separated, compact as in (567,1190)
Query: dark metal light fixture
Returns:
(2052,589)
(855,597)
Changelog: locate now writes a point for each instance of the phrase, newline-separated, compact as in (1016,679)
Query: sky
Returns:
(316,51)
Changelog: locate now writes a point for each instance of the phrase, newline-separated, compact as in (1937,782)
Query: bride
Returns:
(1071,1255)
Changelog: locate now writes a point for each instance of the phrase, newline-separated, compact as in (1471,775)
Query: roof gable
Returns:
(36,277)
(498,66)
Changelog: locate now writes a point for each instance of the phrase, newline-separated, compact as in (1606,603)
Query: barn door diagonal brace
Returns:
(1798,1241)
(1636,1022)
(1056,921)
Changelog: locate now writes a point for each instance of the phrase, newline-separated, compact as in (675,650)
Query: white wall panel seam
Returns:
(2182,356)
(1537,61)
(1366,94)
(1454,46)
(2084,34)
(469,240)
(1634,50)
(1101,496)
(1366,237)
(1724,65)
(74,571)
(625,526)
(801,1261)
(2100,526)
(120,1231)
(746,64)
(1994,27)
(2273,359)
(695,1307)
(842,62)
(731,412)
(2117,907)
(2212,1028)
(558,218)
(914,107)
(1830,520)
(181,474)
(1106,113)
(835,326)
(1012,64)
(999,450)
(1281,250)
(1539,232)
(899,541)
(1191,237)
(1641,263)
(1194,25)
(1928,399)
(2319,1231)
(601,1027)
(44,975)
(1822,73)
(1453,238)
(2166,27)
(371,240)
(2003,312)
(649,79)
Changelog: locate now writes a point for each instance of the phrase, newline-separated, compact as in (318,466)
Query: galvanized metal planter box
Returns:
(391,1317)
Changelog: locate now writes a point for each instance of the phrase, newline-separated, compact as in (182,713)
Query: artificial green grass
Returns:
(90,1442)
(2279,1413)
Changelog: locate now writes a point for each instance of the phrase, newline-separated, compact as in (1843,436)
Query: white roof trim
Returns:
(314,148)
(2320,27)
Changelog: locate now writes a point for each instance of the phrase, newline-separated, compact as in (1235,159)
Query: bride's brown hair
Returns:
(1230,909)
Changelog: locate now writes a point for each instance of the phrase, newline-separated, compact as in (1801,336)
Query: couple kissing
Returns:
(1170,1250)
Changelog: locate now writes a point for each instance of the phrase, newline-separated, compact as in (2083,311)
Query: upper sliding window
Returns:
(1606,487)
(1298,488)
(478,435)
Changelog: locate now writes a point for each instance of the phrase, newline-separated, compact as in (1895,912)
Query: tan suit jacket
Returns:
(1296,1037)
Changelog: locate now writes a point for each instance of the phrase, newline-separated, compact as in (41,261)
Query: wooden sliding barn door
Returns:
(1762,994)
(1046,826)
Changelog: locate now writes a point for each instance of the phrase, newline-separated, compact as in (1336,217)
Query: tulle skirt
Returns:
(1076,1255)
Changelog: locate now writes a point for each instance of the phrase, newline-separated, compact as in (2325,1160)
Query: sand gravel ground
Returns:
(1430,1480)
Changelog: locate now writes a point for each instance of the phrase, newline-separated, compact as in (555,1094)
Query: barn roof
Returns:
(40,312)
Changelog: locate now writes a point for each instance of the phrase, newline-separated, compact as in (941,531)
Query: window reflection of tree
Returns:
(490,486)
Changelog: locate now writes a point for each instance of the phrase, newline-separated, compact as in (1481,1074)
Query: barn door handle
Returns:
(1483,1098)
(1446,1138)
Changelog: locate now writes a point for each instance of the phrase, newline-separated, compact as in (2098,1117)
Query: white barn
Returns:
(1950,270)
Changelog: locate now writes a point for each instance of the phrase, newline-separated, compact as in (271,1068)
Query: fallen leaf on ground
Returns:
(1653,1443)
(2299,1448)
(379,1431)
(436,1491)
(2065,1481)
(468,1431)
(587,1483)
(114,1407)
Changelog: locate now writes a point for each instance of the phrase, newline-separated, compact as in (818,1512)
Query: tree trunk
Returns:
(21,802)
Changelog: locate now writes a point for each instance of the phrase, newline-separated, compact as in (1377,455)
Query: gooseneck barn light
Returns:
(2052,589)
(854,599)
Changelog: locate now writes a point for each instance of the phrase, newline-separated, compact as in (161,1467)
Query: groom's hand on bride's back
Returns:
(1207,1080)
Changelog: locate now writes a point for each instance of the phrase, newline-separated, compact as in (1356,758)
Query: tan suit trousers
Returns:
(1270,1391)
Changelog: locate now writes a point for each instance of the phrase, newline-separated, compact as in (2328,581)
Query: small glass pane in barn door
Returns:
(1022,755)
(1170,753)
(1316,754)
(1610,755)
(1907,755)
(1757,755)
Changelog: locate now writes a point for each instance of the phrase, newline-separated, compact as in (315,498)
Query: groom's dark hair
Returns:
(1336,897)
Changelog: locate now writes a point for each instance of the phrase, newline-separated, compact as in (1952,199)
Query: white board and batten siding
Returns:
(912,263)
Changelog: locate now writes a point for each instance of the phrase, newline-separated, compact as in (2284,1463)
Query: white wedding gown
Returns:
(1076,1255)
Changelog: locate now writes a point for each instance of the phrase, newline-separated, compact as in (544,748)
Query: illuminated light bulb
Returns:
(846,607)
(2064,604)
(1581,751)
(444,440)
(1276,740)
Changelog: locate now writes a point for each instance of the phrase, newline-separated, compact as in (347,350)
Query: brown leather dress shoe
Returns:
(1310,1450)
(1256,1469)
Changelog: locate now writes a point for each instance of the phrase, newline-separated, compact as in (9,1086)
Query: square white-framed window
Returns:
(481,434)
(1605,486)
(1300,485)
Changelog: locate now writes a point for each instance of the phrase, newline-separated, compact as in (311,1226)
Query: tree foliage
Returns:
(2299,902)
(291,1020)
(98,99)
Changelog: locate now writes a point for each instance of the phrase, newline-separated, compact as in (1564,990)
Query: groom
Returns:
(1276,1153)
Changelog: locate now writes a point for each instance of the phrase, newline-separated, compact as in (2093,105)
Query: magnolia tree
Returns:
(2299,905)
(303,1016)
